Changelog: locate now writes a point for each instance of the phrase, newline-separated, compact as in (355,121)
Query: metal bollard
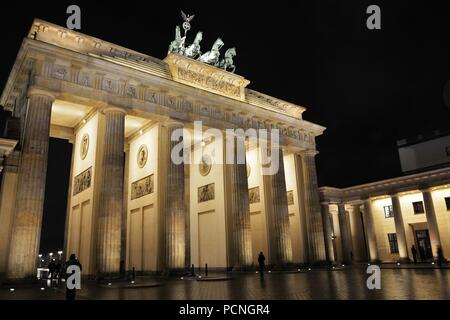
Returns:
(206,269)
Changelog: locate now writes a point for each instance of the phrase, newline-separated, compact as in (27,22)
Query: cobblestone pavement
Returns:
(349,283)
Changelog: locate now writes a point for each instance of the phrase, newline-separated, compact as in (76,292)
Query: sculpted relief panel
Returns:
(142,187)
(82,181)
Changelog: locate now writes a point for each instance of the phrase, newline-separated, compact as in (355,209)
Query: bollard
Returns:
(192,270)
(134,274)
(206,269)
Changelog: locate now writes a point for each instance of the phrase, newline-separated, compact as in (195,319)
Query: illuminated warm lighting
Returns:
(432,263)
(203,143)
(256,272)
(182,278)
(309,269)
(398,263)
(132,282)
(368,264)
(298,270)
(40,255)
(42,289)
(141,132)
(51,254)
(343,265)
(60,252)
(12,289)
(199,277)
(84,121)
(270,271)
(334,267)
(42,260)
(109,283)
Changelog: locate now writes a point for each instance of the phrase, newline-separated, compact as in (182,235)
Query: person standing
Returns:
(261,262)
(414,253)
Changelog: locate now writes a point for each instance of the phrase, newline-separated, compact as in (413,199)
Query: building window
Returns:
(388,212)
(393,242)
(447,203)
(418,207)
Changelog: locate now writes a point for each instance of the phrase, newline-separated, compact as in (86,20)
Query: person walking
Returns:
(414,253)
(73,261)
(440,255)
(261,262)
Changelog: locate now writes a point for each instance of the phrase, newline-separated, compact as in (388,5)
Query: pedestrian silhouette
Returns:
(52,270)
(414,253)
(440,255)
(422,254)
(73,261)
(261,262)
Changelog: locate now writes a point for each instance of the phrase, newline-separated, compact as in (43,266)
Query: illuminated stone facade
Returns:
(129,204)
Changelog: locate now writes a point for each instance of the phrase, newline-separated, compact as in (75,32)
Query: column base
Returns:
(243,268)
(404,260)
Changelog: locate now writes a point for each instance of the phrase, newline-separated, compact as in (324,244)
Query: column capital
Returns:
(309,152)
(33,92)
(393,193)
(424,188)
(111,109)
(172,123)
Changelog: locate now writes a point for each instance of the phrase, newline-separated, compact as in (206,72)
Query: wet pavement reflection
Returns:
(349,283)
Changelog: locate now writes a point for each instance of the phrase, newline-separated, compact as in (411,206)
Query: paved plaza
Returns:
(347,283)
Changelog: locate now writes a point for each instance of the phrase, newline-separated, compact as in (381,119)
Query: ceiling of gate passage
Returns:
(69,115)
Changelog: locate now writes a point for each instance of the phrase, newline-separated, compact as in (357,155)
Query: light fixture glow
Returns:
(12,289)
(141,132)
(203,143)
(84,121)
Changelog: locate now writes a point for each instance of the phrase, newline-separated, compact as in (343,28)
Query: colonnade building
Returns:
(382,221)
(129,205)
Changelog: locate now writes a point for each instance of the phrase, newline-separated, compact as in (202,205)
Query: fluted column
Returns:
(239,206)
(30,187)
(279,222)
(174,205)
(316,240)
(357,233)
(111,192)
(433,229)
(370,231)
(399,228)
(345,234)
(328,233)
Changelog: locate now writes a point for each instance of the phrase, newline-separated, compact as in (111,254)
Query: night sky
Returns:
(369,88)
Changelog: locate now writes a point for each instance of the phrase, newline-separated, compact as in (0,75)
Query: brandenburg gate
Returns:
(129,205)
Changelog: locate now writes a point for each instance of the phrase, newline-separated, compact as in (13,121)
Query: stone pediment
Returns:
(200,75)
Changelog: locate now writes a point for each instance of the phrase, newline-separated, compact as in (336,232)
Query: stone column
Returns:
(370,231)
(328,232)
(30,187)
(357,233)
(316,240)
(433,229)
(109,220)
(399,228)
(281,247)
(345,234)
(174,206)
(239,206)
